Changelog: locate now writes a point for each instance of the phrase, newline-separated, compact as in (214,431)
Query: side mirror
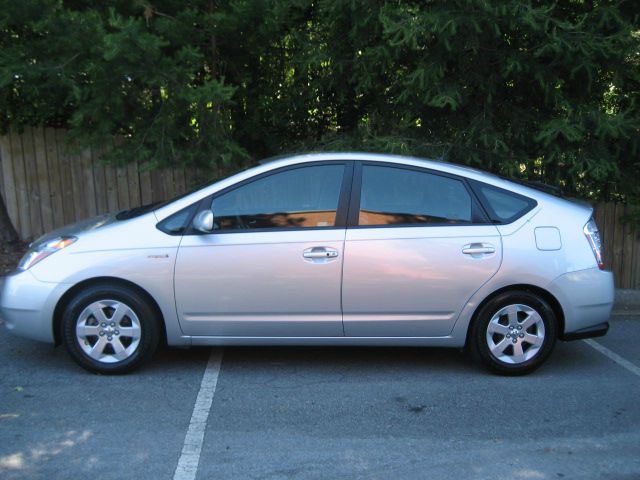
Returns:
(203,221)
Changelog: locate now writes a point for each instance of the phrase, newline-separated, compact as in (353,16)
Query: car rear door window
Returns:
(305,197)
(399,196)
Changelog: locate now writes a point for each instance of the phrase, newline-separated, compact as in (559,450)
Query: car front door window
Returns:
(298,198)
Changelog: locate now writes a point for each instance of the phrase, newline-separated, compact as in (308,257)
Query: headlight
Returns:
(43,250)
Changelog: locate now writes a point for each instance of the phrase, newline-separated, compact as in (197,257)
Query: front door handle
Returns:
(478,249)
(320,252)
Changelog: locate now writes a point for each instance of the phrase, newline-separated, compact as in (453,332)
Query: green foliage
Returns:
(546,91)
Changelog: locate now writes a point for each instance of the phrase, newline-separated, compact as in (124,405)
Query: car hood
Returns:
(77,228)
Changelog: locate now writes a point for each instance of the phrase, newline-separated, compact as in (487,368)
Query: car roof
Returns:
(274,163)
(373,157)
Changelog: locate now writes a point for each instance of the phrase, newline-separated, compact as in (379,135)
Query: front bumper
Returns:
(27,305)
(586,297)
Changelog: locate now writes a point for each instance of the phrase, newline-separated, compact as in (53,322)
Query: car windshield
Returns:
(141,210)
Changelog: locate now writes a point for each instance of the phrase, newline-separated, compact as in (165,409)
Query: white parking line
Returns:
(614,356)
(190,457)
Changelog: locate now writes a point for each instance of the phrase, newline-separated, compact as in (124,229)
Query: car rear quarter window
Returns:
(399,196)
(502,206)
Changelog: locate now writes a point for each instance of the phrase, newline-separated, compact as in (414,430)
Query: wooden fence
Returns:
(621,243)
(46,186)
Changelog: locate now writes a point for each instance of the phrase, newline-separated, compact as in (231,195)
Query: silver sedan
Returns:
(323,249)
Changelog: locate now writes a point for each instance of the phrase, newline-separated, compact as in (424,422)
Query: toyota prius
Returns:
(322,249)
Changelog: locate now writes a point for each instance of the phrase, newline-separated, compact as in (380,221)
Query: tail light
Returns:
(593,235)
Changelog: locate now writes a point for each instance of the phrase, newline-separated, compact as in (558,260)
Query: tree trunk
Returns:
(8,232)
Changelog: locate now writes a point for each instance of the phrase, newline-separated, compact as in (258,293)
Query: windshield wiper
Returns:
(135,212)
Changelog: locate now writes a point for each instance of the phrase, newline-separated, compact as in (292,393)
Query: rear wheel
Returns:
(514,333)
(110,329)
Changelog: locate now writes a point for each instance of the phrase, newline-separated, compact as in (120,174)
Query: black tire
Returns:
(139,336)
(514,351)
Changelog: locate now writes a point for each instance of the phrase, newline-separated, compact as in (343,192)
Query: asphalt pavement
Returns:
(324,413)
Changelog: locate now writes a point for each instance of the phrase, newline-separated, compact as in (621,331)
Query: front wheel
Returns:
(110,329)
(514,333)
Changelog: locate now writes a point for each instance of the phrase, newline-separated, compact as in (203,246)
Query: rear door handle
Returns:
(320,252)
(478,249)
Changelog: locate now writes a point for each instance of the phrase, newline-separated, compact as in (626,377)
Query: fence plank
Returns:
(66,180)
(78,186)
(179,181)
(618,243)
(22,195)
(607,239)
(31,176)
(189,178)
(636,262)
(3,160)
(133,177)
(122,188)
(168,185)
(55,181)
(627,249)
(146,194)
(89,191)
(43,179)
(157,188)
(8,184)
(99,181)
(111,181)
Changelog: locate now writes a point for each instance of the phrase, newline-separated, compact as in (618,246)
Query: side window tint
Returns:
(396,196)
(305,197)
(503,206)
(177,223)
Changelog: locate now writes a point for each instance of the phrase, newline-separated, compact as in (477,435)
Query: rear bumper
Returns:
(586,297)
(27,305)
(589,332)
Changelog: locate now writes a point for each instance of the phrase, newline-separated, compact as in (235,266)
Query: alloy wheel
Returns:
(515,334)
(108,331)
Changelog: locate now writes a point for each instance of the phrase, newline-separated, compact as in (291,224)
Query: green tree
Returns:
(546,91)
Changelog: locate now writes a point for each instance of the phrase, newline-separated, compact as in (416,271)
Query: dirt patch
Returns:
(10,255)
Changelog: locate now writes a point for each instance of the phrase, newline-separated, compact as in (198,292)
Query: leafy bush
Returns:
(545,91)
